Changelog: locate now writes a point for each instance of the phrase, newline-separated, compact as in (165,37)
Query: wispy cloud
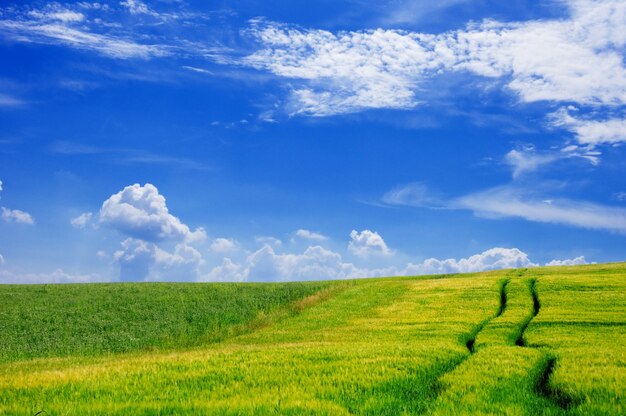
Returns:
(527,159)
(127,156)
(515,202)
(534,203)
(62,33)
(10,101)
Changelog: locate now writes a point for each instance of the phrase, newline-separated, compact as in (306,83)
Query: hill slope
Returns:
(546,340)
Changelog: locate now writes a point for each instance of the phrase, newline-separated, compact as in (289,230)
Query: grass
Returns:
(543,341)
(63,320)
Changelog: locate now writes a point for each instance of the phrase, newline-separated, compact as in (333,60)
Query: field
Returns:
(528,341)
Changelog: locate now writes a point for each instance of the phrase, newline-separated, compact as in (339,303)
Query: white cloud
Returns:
(228,271)
(317,262)
(59,25)
(412,11)
(141,212)
(142,260)
(135,6)
(591,132)
(492,259)
(568,262)
(9,101)
(310,235)
(509,201)
(224,245)
(620,196)
(82,220)
(527,159)
(414,194)
(368,243)
(15,215)
(1,259)
(58,276)
(272,241)
(578,59)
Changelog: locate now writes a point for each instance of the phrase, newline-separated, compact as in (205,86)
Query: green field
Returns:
(529,341)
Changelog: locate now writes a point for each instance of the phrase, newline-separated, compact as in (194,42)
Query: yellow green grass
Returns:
(536,341)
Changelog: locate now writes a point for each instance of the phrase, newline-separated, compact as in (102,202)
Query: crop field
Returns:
(526,341)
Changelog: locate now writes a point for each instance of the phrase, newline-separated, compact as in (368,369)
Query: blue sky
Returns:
(212,141)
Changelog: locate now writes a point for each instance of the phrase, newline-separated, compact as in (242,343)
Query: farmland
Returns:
(526,341)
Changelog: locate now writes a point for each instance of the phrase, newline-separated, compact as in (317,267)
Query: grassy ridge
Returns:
(62,320)
(545,341)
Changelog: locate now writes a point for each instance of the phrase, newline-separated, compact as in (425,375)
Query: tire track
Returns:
(543,387)
(470,338)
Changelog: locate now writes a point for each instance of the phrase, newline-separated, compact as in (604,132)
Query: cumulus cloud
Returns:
(310,235)
(269,240)
(224,245)
(568,262)
(82,220)
(58,276)
(317,262)
(17,216)
(141,212)
(492,259)
(142,260)
(367,243)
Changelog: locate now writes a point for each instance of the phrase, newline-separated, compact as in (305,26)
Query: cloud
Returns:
(228,271)
(526,159)
(619,196)
(142,260)
(136,7)
(514,202)
(591,132)
(411,11)
(492,259)
(82,220)
(1,259)
(58,276)
(17,216)
(517,200)
(224,245)
(368,243)
(269,240)
(141,212)
(59,25)
(317,262)
(414,194)
(568,262)
(9,101)
(578,59)
(310,235)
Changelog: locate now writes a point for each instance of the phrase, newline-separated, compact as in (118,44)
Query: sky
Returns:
(180,140)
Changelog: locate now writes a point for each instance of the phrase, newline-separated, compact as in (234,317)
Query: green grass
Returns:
(62,320)
(536,341)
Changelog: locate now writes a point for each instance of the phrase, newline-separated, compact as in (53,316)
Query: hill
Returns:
(527,341)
